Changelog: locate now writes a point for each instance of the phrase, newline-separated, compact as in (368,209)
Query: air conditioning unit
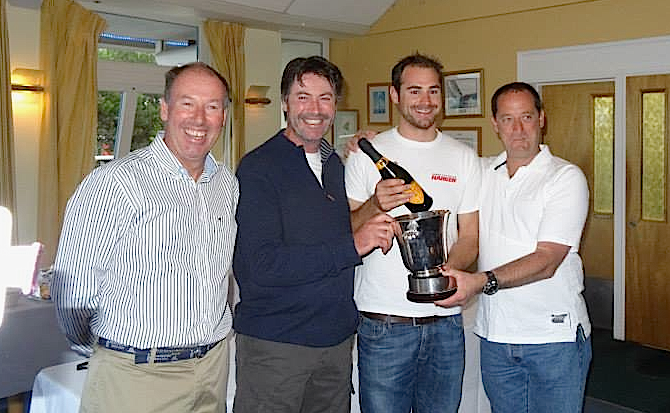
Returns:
(177,56)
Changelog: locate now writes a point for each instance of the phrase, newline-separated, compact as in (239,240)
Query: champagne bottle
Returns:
(420,200)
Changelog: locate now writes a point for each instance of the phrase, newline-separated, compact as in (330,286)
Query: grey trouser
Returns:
(287,378)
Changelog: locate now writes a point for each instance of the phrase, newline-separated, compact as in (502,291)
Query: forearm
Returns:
(73,292)
(463,253)
(539,265)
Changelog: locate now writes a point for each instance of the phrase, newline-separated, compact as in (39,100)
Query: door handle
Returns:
(632,224)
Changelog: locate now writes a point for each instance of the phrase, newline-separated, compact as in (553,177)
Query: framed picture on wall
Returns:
(469,135)
(464,94)
(379,103)
(345,126)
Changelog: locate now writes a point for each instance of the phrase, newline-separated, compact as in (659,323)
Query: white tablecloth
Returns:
(29,341)
(58,389)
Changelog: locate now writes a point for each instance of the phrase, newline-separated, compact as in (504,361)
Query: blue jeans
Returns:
(403,367)
(536,378)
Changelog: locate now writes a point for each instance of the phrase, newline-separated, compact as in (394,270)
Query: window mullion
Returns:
(126,123)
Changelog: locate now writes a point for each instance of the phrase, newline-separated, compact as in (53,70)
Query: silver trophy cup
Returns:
(423,244)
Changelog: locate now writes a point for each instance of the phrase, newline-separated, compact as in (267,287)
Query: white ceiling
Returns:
(331,18)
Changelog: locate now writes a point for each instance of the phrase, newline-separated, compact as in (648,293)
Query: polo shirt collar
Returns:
(542,158)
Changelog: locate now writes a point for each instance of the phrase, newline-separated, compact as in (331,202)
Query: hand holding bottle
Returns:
(419,199)
(391,193)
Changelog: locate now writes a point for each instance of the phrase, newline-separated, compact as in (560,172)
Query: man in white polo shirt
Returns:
(532,318)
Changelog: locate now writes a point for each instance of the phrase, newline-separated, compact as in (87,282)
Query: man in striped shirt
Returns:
(141,271)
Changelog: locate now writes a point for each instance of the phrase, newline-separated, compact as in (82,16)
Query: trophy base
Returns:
(429,298)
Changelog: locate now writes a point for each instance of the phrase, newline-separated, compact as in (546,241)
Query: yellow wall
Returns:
(469,34)
(263,68)
(24,28)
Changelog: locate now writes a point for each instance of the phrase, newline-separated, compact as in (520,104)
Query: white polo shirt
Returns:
(547,200)
(450,172)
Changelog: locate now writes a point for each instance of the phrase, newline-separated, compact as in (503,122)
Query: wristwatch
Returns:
(491,286)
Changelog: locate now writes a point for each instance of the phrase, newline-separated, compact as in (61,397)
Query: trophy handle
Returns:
(444,234)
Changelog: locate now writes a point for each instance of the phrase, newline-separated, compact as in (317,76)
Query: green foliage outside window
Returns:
(109,104)
(147,120)
(119,55)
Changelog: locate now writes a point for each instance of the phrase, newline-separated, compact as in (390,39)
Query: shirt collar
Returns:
(168,161)
(540,159)
(325,148)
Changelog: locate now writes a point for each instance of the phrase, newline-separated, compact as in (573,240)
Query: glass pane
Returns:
(147,120)
(109,105)
(603,154)
(653,156)
(117,55)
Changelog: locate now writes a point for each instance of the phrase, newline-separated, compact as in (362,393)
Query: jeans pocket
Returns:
(456,320)
(372,329)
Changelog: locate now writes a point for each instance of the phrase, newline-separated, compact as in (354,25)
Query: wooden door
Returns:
(647,229)
(570,129)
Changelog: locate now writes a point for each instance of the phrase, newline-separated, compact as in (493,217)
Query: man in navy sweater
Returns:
(295,257)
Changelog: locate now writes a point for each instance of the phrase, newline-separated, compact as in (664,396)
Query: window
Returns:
(653,155)
(603,154)
(133,56)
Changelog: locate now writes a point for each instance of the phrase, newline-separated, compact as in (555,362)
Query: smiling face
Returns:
(194,117)
(310,109)
(419,101)
(519,125)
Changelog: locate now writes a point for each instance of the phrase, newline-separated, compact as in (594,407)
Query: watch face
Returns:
(491,286)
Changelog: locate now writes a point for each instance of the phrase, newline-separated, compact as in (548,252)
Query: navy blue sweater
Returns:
(294,256)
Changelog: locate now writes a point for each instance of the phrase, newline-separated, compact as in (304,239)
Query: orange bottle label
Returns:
(381,164)
(417,193)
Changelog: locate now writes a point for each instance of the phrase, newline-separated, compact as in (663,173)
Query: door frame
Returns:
(610,61)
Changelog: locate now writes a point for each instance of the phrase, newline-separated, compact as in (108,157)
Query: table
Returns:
(30,340)
(58,389)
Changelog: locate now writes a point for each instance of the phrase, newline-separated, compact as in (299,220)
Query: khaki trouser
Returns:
(116,384)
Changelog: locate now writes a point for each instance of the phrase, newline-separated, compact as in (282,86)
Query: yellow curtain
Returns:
(69,57)
(6,128)
(226,42)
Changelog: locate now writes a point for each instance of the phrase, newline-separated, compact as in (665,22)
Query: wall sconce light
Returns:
(257,95)
(27,80)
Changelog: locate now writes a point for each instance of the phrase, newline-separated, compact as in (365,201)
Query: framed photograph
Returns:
(345,126)
(379,103)
(464,94)
(469,135)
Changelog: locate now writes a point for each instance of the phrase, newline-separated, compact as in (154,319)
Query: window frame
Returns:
(129,79)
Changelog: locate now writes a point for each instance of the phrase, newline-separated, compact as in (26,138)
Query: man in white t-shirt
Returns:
(532,318)
(411,355)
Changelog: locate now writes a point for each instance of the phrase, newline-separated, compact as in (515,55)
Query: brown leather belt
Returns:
(394,319)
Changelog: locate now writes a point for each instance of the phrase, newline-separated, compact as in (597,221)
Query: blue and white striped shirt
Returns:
(145,252)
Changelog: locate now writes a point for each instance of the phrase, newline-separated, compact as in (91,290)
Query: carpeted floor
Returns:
(628,375)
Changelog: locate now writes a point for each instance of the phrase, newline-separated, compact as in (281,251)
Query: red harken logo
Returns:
(445,178)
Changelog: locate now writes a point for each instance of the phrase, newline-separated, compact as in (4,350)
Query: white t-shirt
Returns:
(448,171)
(314,162)
(546,200)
